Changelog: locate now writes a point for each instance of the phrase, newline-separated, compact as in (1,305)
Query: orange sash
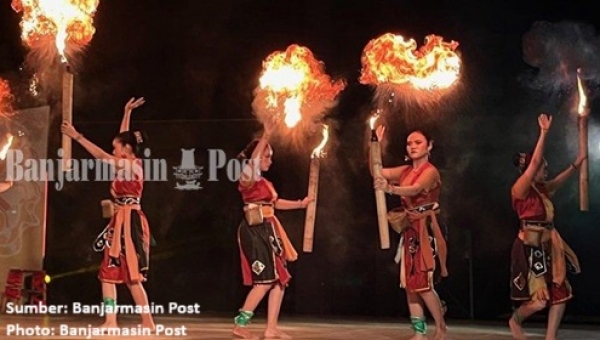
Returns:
(122,228)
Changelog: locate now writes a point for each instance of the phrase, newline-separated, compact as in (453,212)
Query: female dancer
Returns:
(539,257)
(264,245)
(422,243)
(126,256)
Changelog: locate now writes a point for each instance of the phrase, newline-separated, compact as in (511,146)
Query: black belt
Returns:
(260,204)
(127,200)
(425,207)
(543,224)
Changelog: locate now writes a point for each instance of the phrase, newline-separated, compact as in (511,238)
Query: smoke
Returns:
(557,50)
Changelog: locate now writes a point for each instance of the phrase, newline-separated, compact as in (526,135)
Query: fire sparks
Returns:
(318,151)
(6,147)
(33,85)
(392,59)
(67,22)
(581,107)
(293,80)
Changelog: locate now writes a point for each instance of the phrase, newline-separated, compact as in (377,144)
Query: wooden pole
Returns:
(377,164)
(584,204)
(67,115)
(311,209)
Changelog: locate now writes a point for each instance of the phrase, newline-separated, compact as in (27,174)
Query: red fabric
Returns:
(532,206)
(113,274)
(260,191)
(416,280)
(559,294)
(424,197)
(121,274)
(282,272)
(246,270)
(132,187)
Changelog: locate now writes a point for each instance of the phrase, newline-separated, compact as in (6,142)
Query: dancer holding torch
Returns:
(422,249)
(127,254)
(539,256)
(264,245)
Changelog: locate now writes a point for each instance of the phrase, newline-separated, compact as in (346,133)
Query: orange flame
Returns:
(6,147)
(65,21)
(5,98)
(391,59)
(318,151)
(581,107)
(292,79)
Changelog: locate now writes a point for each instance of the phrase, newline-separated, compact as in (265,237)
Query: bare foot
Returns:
(243,333)
(440,334)
(516,329)
(276,334)
(418,337)
(150,326)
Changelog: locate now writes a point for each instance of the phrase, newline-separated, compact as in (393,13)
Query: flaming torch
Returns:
(377,165)
(391,59)
(313,190)
(583,111)
(63,26)
(67,115)
(294,85)
(402,73)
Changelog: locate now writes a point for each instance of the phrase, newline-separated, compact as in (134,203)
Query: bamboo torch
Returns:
(377,165)
(583,110)
(313,191)
(68,24)
(67,115)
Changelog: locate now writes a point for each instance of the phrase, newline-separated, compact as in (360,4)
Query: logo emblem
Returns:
(188,172)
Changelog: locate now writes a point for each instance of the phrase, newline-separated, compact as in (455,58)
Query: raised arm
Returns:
(390,174)
(555,183)
(92,148)
(523,184)
(129,106)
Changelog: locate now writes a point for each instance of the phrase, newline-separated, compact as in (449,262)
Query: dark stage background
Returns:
(197,63)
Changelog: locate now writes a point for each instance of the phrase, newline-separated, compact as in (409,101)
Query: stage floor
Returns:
(214,328)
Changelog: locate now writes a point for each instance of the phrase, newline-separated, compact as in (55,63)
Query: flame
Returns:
(391,59)
(372,120)
(292,79)
(318,151)
(65,21)
(5,98)
(6,147)
(581,108)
